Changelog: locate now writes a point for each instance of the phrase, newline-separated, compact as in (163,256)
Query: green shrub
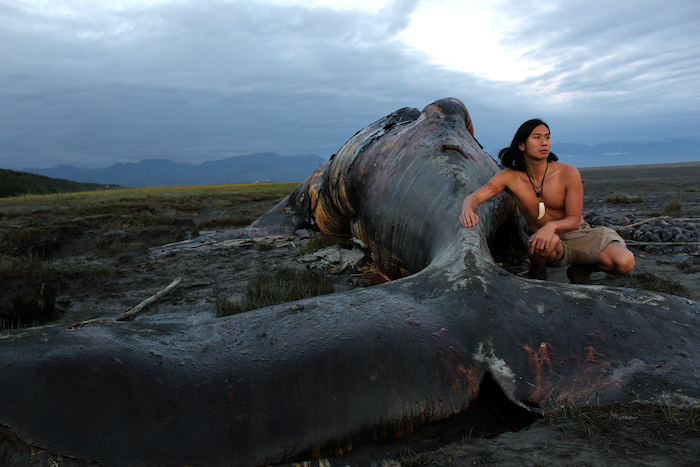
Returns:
(674,208)
(283,286)
(618,199)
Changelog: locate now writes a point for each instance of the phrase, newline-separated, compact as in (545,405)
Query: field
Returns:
(68,258)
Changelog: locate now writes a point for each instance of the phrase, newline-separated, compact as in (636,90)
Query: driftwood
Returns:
(149,301)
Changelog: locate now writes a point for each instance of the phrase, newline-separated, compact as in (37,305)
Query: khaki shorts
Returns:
(583,245)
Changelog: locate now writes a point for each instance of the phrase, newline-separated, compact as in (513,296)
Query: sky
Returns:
(95,82)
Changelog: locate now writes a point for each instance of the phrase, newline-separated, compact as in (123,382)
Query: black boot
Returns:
(579,273)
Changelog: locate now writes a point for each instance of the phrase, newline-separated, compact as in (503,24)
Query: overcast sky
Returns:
(94,82)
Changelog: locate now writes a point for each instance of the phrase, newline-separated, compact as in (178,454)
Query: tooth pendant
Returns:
(540,207)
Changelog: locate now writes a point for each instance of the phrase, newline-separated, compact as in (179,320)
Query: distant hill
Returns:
(624,153)
(14,183)
(265,167)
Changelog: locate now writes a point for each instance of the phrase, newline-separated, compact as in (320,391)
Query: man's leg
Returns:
(616,259)
(539,261)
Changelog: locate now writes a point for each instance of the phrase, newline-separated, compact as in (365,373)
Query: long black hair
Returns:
(512,157)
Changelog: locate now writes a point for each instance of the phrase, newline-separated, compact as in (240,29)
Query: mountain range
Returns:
(264,167)
(271,167)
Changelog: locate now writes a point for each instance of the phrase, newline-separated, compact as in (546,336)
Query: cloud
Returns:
(195,81)
(93,83)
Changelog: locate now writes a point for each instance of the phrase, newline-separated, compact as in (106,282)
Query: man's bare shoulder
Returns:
(509,173)
(567,170)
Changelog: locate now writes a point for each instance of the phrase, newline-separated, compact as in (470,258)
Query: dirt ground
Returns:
(215,267)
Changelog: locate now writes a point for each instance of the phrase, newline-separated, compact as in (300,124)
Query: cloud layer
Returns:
(196,80)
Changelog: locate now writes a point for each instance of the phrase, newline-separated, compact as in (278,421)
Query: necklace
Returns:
(538,193)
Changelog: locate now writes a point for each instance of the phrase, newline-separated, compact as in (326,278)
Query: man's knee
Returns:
(617,259)
(626,262)
(546,258)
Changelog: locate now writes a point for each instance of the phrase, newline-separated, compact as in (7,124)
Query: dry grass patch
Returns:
(285,285)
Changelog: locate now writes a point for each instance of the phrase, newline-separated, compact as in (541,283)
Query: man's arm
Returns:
(469,218)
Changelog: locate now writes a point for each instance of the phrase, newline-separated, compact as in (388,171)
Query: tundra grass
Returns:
(662,422)
(183,194)
(283,286)
(25,268)
(674,208)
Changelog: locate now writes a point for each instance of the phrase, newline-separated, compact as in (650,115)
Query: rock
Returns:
(623,221)
(627,232)
(644,228)
(680,238)
(666,235)
(335,258)
(597,220)
(658,222)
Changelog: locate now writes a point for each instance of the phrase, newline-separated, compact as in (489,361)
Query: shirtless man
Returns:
(550,196)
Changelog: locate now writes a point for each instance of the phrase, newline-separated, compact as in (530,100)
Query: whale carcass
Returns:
(322,376)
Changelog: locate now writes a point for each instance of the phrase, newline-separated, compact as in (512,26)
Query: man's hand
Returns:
(469,218)
(544,240)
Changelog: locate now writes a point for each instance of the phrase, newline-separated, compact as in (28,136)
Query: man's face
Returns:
(537,145)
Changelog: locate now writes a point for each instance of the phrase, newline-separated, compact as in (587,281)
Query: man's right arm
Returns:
(469,218)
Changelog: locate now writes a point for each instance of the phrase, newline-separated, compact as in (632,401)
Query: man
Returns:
(550,196)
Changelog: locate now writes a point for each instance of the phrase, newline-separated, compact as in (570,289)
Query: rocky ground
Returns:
(94,273)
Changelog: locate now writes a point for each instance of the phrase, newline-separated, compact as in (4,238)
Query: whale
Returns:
(321,377)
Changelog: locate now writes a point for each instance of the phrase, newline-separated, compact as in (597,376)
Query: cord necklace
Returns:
(538,193)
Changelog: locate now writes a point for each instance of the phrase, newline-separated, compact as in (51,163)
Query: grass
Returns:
(652,283)
(623,199)
(665,423)
(47,223)
(26,268)
(282,286)
(180,195)
(674,208)
(265,246)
